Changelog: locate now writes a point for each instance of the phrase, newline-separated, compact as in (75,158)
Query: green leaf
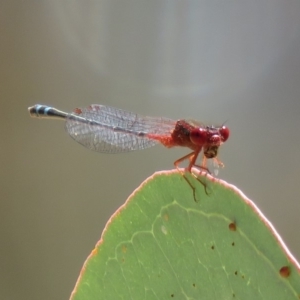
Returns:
(161,244)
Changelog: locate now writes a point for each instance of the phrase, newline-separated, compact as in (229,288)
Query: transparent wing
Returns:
(111,130)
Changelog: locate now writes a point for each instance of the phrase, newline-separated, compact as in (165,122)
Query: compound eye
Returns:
(224,132)
(198,136)
(215,140)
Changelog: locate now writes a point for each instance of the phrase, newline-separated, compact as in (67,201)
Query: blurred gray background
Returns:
(215,61)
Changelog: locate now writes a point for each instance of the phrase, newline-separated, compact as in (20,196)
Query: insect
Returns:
(111,130)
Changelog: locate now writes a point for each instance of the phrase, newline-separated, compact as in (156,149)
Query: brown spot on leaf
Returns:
(166,217)
(232,226)
(285,271)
